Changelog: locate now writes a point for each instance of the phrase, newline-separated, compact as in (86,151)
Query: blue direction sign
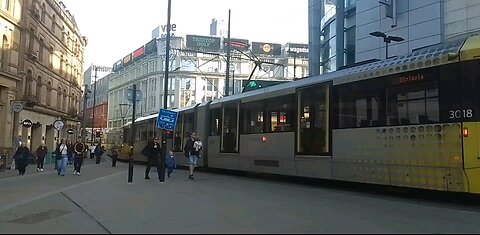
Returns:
(167,119)
(130,95)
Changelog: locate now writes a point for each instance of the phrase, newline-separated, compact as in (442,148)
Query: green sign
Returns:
(259,84)
(203,43)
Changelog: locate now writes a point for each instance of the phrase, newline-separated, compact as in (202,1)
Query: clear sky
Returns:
(115,28)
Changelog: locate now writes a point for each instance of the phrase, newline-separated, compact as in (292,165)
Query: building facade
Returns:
(10,33)
(339,30)
(51,52)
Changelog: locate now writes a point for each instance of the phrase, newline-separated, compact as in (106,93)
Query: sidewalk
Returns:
(49,165)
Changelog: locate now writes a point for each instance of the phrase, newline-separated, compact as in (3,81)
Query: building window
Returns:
(280,112)
(59,98)
(253,117)
(39,88)
(40,51)
(44,12)
(53,23)
(7,5)
(29,85)
(216,122)
(49,93)
(4,53)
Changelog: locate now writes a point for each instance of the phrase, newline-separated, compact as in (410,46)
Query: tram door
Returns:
(471,154)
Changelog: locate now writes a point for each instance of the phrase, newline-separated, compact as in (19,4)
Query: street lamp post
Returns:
(387,40)
(84,125)
(93,106)
(165,92)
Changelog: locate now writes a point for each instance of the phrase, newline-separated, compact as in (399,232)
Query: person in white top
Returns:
(61,151)
(92,151)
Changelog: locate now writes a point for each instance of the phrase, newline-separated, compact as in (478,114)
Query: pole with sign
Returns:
(133,97)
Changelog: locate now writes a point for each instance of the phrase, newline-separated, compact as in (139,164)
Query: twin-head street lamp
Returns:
(387,40)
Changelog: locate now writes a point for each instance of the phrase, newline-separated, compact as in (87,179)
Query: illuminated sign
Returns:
(411,78)
(203,43)
(262,48)
(239,44)
(127,59)
(138,53)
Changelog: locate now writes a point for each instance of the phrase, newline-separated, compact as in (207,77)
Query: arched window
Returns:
(29,85)
(49,93)
(44,12)
(59,98)
(39,88)
(4,53)
(53,23)
(40,51)
(65,100)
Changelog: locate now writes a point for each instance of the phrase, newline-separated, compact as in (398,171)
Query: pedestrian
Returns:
(114,156)
(192,152)
(98,153)
(171,163)
(78,157)
(70,152)
(152,152)
(21,157)
(41,153)
(92,151)
(62,157)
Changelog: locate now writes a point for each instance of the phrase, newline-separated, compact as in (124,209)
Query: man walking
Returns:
(192,152)
(152,152)
(41,153)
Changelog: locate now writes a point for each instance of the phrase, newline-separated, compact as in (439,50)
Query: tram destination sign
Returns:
(203,43)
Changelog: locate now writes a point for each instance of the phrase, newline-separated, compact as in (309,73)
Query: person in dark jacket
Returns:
(192,152)
(79,149)
(70,152)
(41,153)
(114,156)
(152,152)
(98,153)
(21,158)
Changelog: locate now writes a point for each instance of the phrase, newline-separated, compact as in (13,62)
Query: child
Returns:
(170,161)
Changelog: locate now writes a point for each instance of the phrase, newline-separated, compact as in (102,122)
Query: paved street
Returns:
(101,201)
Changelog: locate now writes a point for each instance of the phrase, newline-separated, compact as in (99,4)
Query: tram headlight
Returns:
(465,132)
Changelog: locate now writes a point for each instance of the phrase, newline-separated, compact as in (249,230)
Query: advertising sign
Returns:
(138,53)
(263,48)
(151,47)
(127,59)
(300,49)
(203,43)
(117,66)
(239,44)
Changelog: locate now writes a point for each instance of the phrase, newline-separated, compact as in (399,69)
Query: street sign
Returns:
(17,106)
(130,95)
(167,119)
(27,123)
(70,131)
(58,124)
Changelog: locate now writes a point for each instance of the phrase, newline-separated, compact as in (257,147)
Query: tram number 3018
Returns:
(463,113)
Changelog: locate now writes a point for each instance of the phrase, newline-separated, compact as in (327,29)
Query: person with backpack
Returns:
(152,152)
(78,157)
(192,152)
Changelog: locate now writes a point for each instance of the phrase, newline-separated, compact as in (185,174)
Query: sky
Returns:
(115,28)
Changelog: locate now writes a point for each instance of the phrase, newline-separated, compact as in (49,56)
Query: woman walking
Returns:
(62,157)
(41,153)
(21,158)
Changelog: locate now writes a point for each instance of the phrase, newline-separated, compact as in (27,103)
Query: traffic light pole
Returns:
(132,135)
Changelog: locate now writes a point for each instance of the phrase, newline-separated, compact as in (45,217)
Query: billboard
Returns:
(138,53)
(127,59)
(263,48)
(117,66)
(300,49)
(239,44)
(203,43)
(151,47)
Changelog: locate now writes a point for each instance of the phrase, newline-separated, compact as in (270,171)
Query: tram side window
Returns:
(280,114)
(215,122)
(359,110)
(230,128)
(253,118)
(313,131)
(189,126)
(415,104)
(177,139)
